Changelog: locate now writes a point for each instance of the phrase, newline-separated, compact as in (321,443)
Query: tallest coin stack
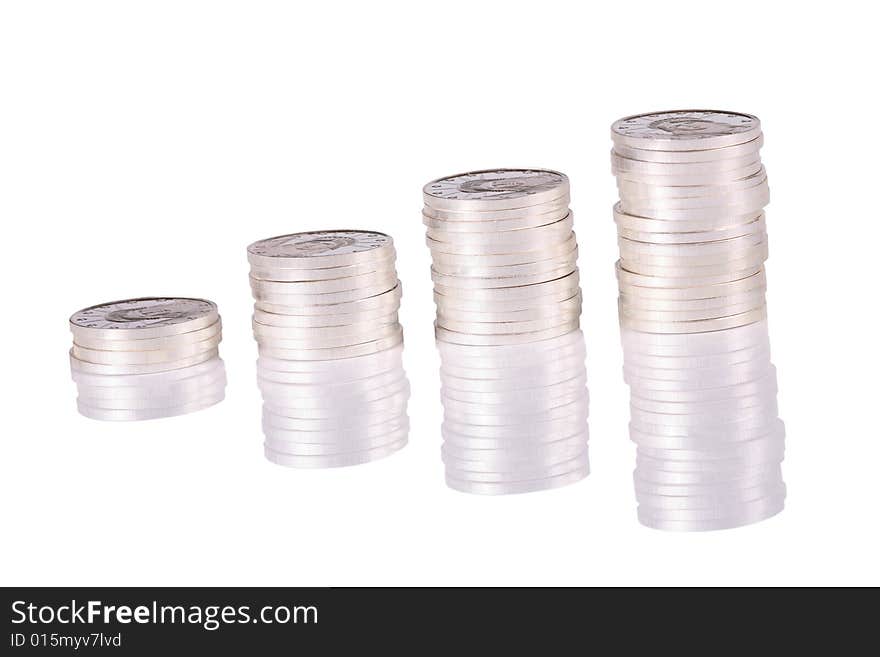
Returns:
(508,307)
(693,241)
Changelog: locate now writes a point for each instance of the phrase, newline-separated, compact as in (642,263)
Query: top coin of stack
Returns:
(144,358)
(306,282)
(504,256)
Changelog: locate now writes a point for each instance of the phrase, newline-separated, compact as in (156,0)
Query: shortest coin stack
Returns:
(330,367)
(147,358)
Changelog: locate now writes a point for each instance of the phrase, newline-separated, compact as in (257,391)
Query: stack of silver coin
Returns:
(148,358)
(330,367)
(508,310)
(693,241)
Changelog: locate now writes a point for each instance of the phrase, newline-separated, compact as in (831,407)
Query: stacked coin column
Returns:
(508,307)
(693,240)
(330,367)
(147,358)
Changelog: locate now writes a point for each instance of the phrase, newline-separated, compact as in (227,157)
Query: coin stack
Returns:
(330,363)
(508,308)
(693,241)
(148,358)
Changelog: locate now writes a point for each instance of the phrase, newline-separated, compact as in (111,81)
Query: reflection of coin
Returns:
(680,130)
(147,317)
(326,248)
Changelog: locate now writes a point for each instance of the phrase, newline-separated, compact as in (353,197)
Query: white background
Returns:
(145,144)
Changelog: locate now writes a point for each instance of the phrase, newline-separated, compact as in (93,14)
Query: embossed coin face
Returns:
(686,130)
(526,186)
(146,313)
(320,244)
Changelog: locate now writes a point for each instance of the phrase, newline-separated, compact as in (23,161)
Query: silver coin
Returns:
(642,303)
(753,200)
(469,282)
(386,279)
(485,225)
(496,188)
(336,461)
(149,317)
(459,215)
(323,273)
(640,285)
(652,315)
(697,326)
(683,280)
(386,302)
(703,343)
(538,253)
(641,192)
(327,340)
(272,324)
(264,296)
(317,249)
(502,339)
(506,328)
(493,239)
(702,262)
(99,368)
(621,164)
(727,246)
(706,218)
(154,356)
(525,269)
(707,222)
(567,285)
(685,130)
(703,155)
(536,353)
(149,344)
